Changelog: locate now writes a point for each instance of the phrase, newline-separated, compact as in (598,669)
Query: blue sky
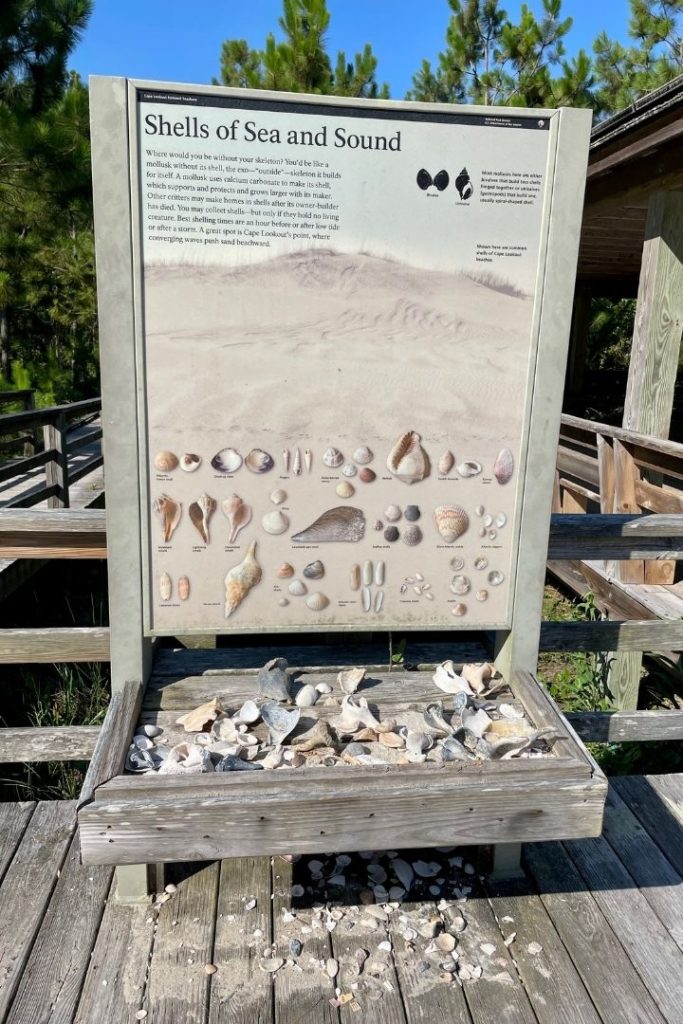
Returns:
(173,40)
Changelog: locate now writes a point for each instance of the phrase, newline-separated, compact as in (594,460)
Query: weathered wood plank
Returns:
(51,982)
(115,982)
(14,819)
(595,951)
(27,888)
(49,743)
(623,726)
(551,981)
(83,643)
(610,595)
(608,635)
(178,985)
(659,808)
(588,428)
(346,939)
(658,881)
(241,992)
(545,714)
(112,743)
(623,678)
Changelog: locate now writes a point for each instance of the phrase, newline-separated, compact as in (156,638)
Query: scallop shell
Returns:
(411,536)
(470,467)
(354,577)
(407,459)
(451,521)
(227,460)
(241,579)
(238,515)
(259,461)
(278,496)
(349,470)
(189,462)
(165,587)
(461,585)
(504,466)
(446,462)
(314,570)
(363,455)
(392,513)
(333,458)
(166,462)
(412,513)
(317,601)
(344,489)
(183,588)
(169,512)
(367,475)
(297,588)
(344,523)
(285,571)
(391,534)
(275,522)
(200,513)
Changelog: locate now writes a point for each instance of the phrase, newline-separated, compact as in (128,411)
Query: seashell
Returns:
(317,601)
(469,468)
(248,713)
(238,515)
(169,512)
(259,461)
(166,462)
(354,577)
(379,600)
(283,602)
(279,720)
(189,462)
(379,574)
(308,459)
(476,722)
(333,458)
(445,464)
(278,496)
(200,513)
(510,727)
(450,681)
(459,610)
(481,563)
(345,489)
(463,184)
(285,571)
(482,595)
(227,460)
(416,743)
(391,739)
(367,574)
(285,459)
(457,563)
(478,674)
(451,749)
(363,455)
(434,719)
(487,521)
(274,759)
(482,531)
(367,599)
(392,513)
(297,588)
(273,681)
(412,535)
(492,534)
(271,964)
(187,759)
(314,570)
(500,520)
(320,735)
(343,523)
(408,460)
(241,579)
(495,577)
(150,730)
(183,588)
(165,587)
(367,475)
(379,525)
(451,522)
(350,679)
(307,696)
(275,522)
(460,585)
(349,469)
(412,513)
(479,510)
(504,466)
(236,763)
(391,534)
(296,467)
(202,717)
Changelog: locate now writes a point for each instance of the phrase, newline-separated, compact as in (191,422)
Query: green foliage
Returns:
(610,333)
(300,61)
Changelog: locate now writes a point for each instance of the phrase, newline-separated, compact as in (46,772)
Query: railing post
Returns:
(29,404)
(57,469)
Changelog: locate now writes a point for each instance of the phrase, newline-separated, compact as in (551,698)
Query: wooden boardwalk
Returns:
(594,933)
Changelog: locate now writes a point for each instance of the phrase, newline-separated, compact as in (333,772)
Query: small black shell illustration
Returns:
(440,179)
(424,179)
(464,185)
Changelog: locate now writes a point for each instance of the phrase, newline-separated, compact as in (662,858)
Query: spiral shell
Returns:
(333,458)
(445,464)
(504,466)
(200,513)
(169,512)
(166,462)
(241,579)
(451,521)
(238,515)
(259,461)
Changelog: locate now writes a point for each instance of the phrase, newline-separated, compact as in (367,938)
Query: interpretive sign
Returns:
(338,328)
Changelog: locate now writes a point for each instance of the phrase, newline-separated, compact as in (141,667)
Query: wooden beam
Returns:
(54,743)
(625,475)
(112,743)
(623,678)
(627,726)
(40,646)
(615,536)
(578,344)
(647,635)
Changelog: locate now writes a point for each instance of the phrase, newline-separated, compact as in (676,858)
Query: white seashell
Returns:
(495,578)
(248,713)
(238,515)
(274,758)
(165,462)
(168,511)
(349,469)
(461,585)
(470,467)
(459,610)
(308,459)
(408,460)
(285,459)
(259,461)
(227,460)
(183,588)
(379,600)
(445,464)
(487,520)
(296,467)
(500,520)
(451,522)
(367,599)
(457,563)
(476,721)
(482,531)
(392,513)
(379,574)
(367,573)
(151,730)
(241,579)
(350,679)
(165,587)
(275,522)
(345,489)
(307,696)
(317,601)
(481,563)
(448,680)
(200,513)
(189,462)
(363,455)
(479,510)
(283,602)
(430,597)
(297,588)
(504,466)
(354,577)
(333,458)
(278,496)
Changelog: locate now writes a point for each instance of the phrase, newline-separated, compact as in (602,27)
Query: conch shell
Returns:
(169,512)
(407,459)
(200,512)
(238,515)
(240,580)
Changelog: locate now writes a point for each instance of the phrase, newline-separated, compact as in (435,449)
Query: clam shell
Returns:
(183,588)
(200,513)
(392,513)
(241,579)
(344,523)
(297,588)
(504,466)
(317,601)
(459,610)
(391,534)
(259,461)
(445,464)
(344,489)
(307,696)
(367,475)
(481,563)
(189,462)
(166,462)
(501,520)
(238,515)
(227,460)
(461,585)
(407,460)
(248,713)
(349,469)
(165,587)
(280,721)
(333,458)
(482,595)
(169,512)
(412,513)
(457,564)
(354,577)
(278,496)
(285,571)
(412,535)
(391,739)
(469,468)
(275,522)
(314,570)
(495,578)
(451,521)
(363,455)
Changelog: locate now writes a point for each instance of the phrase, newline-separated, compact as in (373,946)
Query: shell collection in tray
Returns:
(405,536)
(288,724)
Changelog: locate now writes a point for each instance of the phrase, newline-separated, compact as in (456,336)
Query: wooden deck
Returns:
(594,933)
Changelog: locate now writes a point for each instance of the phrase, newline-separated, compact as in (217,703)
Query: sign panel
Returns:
(338,333)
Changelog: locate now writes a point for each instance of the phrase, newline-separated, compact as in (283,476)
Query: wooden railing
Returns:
(58,425)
